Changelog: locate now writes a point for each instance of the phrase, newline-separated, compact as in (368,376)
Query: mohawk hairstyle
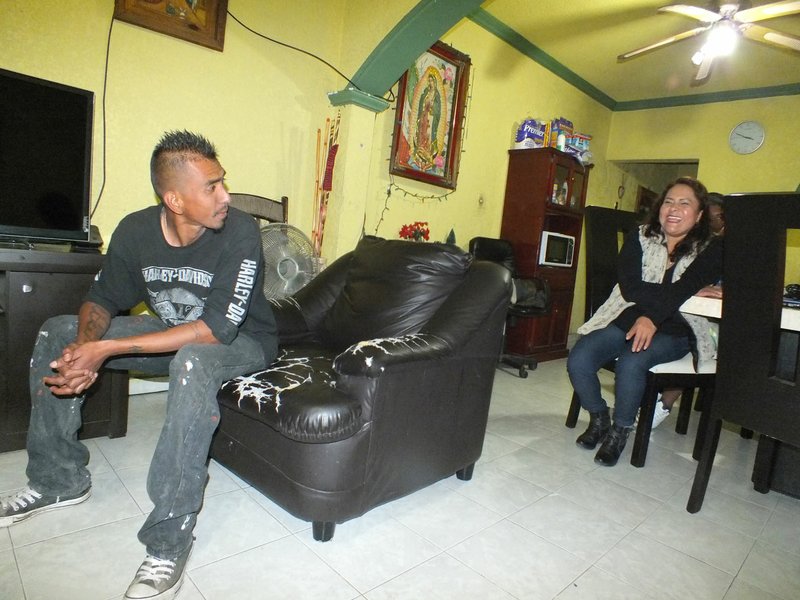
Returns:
(173,150)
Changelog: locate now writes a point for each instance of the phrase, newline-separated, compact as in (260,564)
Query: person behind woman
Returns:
(716,214)
(661,264)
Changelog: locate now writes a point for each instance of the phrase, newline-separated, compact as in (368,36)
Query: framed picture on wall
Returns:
(198,21)
(431,100)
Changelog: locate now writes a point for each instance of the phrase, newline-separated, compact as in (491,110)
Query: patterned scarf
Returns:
(654,263)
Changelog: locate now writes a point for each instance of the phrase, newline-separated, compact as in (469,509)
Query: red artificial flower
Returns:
(416,231)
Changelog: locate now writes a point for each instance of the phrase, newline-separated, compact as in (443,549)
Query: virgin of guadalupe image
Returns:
(427,129)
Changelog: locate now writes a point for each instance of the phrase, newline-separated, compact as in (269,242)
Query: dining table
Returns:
(712,308)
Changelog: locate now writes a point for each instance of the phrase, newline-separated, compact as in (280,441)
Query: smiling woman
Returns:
(661,264)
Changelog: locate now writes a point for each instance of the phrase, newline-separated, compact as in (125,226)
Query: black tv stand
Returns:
(14,245)
(91,245)
(86,249)
(36,285)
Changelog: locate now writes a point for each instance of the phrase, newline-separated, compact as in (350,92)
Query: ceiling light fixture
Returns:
(722,40)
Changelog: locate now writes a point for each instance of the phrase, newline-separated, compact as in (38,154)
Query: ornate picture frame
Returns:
(431,101)
(197,21)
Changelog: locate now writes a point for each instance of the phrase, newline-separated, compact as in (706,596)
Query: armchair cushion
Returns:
(319,413)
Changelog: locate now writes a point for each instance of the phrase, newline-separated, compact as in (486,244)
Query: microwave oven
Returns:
(556,249)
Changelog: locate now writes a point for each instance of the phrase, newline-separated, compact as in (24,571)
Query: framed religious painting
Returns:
(198,21)
(431,100)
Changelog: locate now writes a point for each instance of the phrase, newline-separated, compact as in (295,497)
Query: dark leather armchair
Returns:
(382,385)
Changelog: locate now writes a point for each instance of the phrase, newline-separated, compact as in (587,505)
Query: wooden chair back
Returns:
(749,390)
(603,228)
(757,384)
(274,211)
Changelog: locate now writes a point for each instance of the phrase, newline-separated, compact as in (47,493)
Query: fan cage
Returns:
(289,260)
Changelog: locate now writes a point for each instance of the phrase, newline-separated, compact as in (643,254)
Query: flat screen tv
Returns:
(45,160)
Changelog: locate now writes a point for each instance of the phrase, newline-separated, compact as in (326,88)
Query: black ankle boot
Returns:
(613,445)
(599,424)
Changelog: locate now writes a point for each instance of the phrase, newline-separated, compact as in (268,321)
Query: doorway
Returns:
(642,181)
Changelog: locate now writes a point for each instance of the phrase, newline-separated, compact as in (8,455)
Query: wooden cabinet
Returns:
(34,286)
(545,191)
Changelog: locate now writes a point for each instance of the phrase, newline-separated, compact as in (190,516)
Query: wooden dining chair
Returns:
(754,388)
(604,230)
(273,211)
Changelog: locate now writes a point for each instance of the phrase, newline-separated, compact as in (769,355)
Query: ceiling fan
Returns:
(724,28)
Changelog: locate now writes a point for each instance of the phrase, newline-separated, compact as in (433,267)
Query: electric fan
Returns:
(289,260)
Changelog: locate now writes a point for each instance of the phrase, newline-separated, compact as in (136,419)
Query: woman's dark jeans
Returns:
(600,347)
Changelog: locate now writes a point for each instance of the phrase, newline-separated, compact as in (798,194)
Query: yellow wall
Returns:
(505,89)
(366,22)
(701,132)
(262,104)
(259,102)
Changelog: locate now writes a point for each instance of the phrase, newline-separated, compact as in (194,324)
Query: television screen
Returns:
(45,159)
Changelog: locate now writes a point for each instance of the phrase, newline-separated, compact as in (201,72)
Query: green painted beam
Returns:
(430,19)
(790,89)
(519,43)
(351,95)
(413,35)
(522,45)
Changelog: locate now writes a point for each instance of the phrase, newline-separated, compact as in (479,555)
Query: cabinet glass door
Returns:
(561,182)
(576,190)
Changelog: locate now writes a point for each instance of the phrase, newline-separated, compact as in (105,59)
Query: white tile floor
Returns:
(539,520)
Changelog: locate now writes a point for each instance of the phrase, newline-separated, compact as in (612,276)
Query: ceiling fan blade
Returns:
(693,12)
(665,42)
(768,11)
(759,33)
(705,68)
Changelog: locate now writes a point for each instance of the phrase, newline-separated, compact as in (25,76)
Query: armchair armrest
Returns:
(371,357)
(486,287)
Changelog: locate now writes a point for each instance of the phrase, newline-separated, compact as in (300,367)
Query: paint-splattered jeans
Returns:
(57,460)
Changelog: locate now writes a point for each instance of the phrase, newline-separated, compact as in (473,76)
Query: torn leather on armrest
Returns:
(371,357)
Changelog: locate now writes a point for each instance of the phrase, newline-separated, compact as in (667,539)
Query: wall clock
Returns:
(746,137)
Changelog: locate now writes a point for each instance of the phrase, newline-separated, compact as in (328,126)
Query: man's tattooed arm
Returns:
(93,322)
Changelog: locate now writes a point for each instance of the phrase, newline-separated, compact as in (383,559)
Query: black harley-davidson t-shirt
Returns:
(217,279)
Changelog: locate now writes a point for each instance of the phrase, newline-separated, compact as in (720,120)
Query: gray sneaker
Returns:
(27,502)
(158,578)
